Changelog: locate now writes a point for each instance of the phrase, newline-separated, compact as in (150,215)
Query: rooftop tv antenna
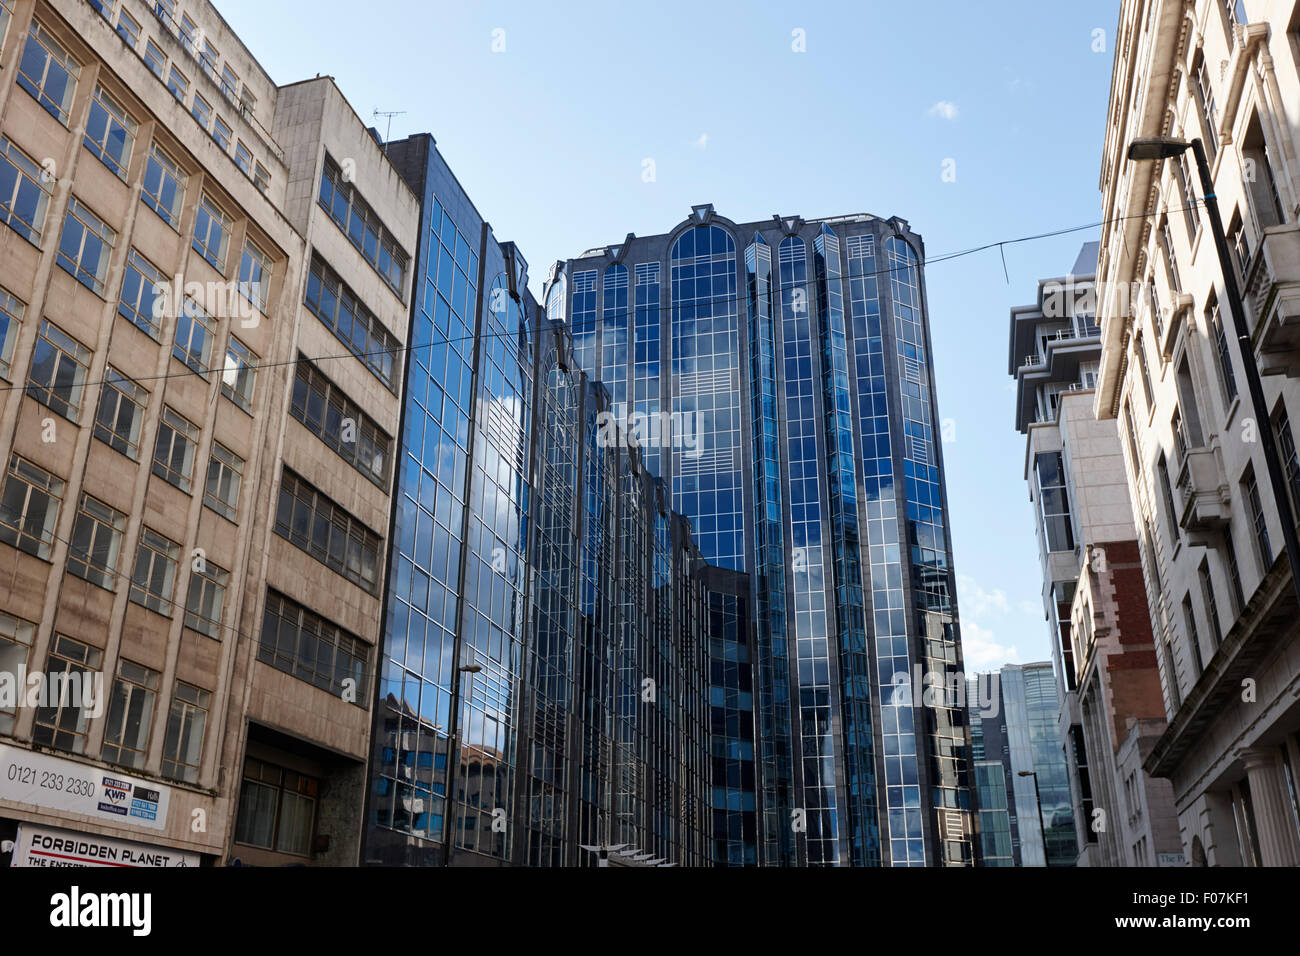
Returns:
(388,133)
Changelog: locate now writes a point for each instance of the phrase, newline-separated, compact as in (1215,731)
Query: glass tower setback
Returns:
(795,389)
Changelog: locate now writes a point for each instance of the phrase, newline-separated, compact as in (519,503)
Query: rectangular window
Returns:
(16,637)
(1222,353)
(244,158)
(141,303)
(195,333)
(240,374)
(155,572)
(261,179)
(178,84)
(356,327)
(173,456)
(63,723)
(155,58)
(225,471)
(308,519)
(362,226)
(86,246)
(1204,93)
(183,739)
(24,193)
(29,508)
(1260,178)
(1250,491)
(1171,513)
(254,275)
(128,29)
(1171,259)
(247,102)
(96,542)
(277,809)
(58,376)
(1193,638)
(229,83)
(209,59)
(48,72)
(207,595)
(1211,604)
(201,110)
(221,132)
(1286,448)
(130,715)
(6,18)
(12,310)
(189,30)
(1234,571)
(312,649)
(334,418)
(1140,352)
(164,187)
(121,413)
(1191,220)
(110,132)
(212,228)
(1054,501)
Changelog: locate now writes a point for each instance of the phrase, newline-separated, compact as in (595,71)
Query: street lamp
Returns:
(453,760)
(1042,828)
(1166,147)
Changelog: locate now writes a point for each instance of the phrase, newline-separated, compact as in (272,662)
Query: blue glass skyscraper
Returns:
(779,376)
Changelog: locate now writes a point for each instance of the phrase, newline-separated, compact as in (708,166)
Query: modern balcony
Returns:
(1273,298)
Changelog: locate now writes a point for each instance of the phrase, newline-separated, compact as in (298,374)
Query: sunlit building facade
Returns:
(779,376)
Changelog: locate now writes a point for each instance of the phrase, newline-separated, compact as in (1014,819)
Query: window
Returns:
(1240,243)
(188,32)
(1140,352)
(336,420)
(239,375)
(1175,692)
(130,714)
(173,456)
(1183,171)
(121,412)
(15,644)
(1222,354)
(143,298)
(178,84)
(225,471)
(1190,431)
(1131,432)
(247,103)
(195,333)
(261,179)
(206,596)
(254,275)
(1203,90)
(1054,501)
(308,519)
(110,132)
(164,187)
(1211,604)
(12,310)
(1193,638)
(277,809)
(212,229)
(72,668)
(355,217)
(48,72)
(1157,313)
(183,738)
(201,110)
(312,649)
(221,132)
(155,58)
(1286,448)
(85,247)
(1261,183)
(96,541)
(128,29)
(1171,514)
(1171,260)
(244,158)
(6,18)
(1236,16)
(58,376)
(29,508)
(24,197)
(229,83)
(1250,491)
(155,571)
(1234,570)
(165,11)
(339,308)
(209,59)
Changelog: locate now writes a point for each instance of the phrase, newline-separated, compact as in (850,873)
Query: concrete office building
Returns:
(1219,587)
(1093,597)
(191,506)
(778,375)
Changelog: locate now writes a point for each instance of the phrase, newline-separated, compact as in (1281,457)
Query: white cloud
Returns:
(974,600)
(980,652)
(944,109)
(702,142)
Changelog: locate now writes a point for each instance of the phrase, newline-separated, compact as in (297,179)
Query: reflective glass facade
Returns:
(805,451)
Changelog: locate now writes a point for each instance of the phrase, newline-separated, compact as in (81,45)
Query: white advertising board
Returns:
(52,783)
(43,846)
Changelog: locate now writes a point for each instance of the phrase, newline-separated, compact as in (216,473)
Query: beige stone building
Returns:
(1224,619)
(193,516)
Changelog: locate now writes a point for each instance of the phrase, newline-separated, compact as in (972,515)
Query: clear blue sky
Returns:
(548,138)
